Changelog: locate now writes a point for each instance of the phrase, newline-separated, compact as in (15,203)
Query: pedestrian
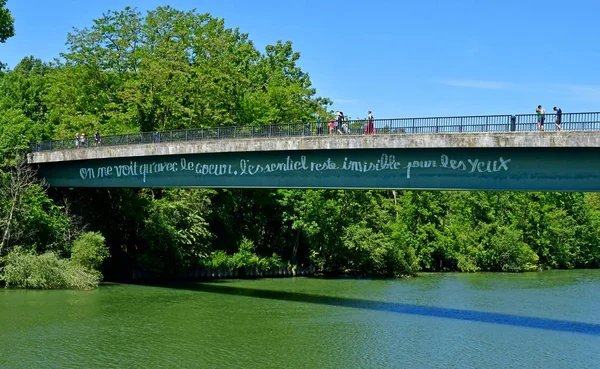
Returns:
(541,116)
(82,139)
(331,127)
(97,137)
(77,140)
(558,118)
(345,128)
(319,125)
(370,127)
(307,129)
(340,121)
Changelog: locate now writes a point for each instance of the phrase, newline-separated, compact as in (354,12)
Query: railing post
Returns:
(218,133)
(186,134)
(461,125)
(252,131)
(437,126)
(513,123)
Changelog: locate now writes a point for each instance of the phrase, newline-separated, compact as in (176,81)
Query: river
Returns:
(541,320)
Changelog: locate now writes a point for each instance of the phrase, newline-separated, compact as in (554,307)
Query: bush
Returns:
(89,250)
(245,259)
(45,271)
(245,256)
(217,260)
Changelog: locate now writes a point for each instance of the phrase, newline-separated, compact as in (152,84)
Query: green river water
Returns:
(533,320)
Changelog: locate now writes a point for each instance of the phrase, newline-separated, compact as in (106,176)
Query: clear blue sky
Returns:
(398,58)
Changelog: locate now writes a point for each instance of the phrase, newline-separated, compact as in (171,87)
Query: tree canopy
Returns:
(7,23)
(171,69)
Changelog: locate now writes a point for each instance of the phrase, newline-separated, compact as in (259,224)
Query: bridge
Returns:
(475,153)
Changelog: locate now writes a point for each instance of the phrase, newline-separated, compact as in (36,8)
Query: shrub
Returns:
(244,259)
(45,271)
(89,250)
(217,260)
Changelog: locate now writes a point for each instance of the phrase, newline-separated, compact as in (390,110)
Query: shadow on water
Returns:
(400,308)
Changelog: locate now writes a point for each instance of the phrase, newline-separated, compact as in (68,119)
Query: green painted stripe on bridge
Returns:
(544,169)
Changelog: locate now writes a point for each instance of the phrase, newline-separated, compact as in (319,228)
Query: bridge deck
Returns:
(561,139)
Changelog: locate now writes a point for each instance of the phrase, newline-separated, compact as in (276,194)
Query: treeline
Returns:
(169,69)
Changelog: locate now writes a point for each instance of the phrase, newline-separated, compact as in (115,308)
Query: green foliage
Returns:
(217,260)
(45,271)
(7,28)
(123,76)
(89,250)
(175,231)
(245,260)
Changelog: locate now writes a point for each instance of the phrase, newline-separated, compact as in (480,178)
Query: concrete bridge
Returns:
(511,160)
(498,161)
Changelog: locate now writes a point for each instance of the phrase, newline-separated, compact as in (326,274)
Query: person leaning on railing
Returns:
(558,118)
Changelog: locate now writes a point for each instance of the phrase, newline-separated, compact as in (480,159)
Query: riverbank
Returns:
(201,274)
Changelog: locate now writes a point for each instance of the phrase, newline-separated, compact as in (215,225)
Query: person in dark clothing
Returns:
(97,138)
(558,118)
(340,121)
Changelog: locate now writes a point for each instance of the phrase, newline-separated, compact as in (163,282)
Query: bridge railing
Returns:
(464,124)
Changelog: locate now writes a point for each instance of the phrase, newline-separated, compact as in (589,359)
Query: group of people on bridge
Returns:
(340,126)
(541,117)
(80,140)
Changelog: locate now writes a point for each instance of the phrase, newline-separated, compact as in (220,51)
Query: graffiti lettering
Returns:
(250,167)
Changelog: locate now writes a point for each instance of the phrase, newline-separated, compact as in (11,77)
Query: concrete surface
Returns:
(407,141)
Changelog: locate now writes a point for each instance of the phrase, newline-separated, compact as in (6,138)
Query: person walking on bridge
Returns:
(558,118)
(370,127)
(541,116)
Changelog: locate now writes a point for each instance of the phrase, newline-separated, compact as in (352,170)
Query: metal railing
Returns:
(466,124)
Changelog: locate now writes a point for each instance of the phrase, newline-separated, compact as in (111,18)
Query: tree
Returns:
(175,233)
(172,69)
(13,188)
(89,250)
(7,28)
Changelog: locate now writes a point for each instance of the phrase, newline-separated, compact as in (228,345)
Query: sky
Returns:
(406,58)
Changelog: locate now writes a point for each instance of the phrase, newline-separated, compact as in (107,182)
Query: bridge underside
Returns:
(499,168)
